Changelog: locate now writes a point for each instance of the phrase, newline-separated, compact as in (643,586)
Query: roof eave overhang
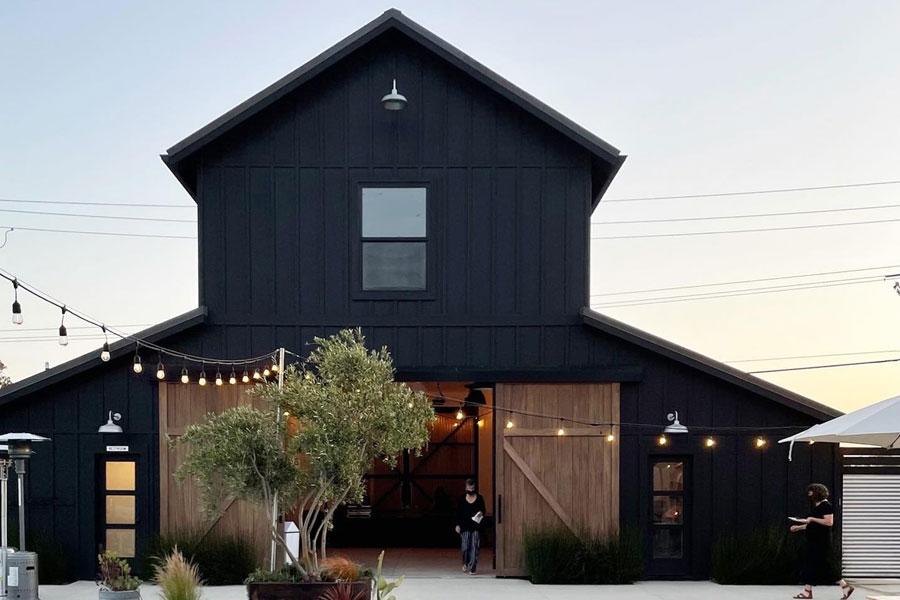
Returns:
(708,365)
(91,360)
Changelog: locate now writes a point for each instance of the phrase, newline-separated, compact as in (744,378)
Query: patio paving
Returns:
(489,588)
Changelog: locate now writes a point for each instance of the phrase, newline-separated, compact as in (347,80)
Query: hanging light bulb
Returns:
(232,379)
(185,378)
(104,353)
(610,437)
(274,364)
(245,378)
(510,424)
(256,375)
(218,377)
(710,442)
(480,422)
(16,307)
(561,430)
(160,370)
(63,336)
(266,372)
(760,442)
(137,367)
(202,379)
(460,415)
(662,440)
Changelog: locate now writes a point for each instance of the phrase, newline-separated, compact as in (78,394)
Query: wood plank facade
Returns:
(511,186)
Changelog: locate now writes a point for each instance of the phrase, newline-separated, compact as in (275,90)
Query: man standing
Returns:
(469,516)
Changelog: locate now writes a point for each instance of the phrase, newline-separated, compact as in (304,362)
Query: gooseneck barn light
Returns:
(393,100)
(110,426)
(674,425)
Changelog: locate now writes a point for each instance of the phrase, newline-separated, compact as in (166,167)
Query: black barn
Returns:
(456,233)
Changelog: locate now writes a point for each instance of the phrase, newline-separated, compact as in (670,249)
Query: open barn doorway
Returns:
(410,509)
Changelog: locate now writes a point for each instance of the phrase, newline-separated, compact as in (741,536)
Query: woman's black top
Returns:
(466,511)
(817,533)
(819,565)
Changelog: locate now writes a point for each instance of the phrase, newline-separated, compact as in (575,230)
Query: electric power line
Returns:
(84,216)
(759,192)
(107,233)
(742,281)
(830,366)
(831,355)
(732,231)
(746,216)
(126,204)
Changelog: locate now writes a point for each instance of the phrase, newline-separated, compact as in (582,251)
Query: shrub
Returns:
(177,578)
(339,568)
(557,556)
(287,574)
(765,556)
(220,559)
(115,574)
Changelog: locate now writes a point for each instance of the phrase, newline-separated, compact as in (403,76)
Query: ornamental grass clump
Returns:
(177,578)
(338,411)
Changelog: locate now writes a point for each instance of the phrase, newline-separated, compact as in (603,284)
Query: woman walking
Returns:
(817,565)
(469,516)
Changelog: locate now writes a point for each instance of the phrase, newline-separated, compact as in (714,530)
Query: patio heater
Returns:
(20,451)
(5,464)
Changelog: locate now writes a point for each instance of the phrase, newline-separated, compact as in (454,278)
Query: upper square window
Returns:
(394,239)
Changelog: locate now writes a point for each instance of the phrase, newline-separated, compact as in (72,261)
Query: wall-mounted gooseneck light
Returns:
(110,426)
(393,100)
(674,425)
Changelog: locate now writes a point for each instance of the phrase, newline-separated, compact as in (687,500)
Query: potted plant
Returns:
(337,412)
(115,580)
(177,577)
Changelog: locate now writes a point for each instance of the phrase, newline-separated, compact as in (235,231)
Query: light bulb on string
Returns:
(245,378)
(480,422)
(185,378)
(104,353)
(256,375)
(710,442)
(662,440)
(760,442)
(561,430)
(610,437)
(232,379)
(218,377)
(274,365)
(202,379)
(510,424)
(137,366)
(16,307)
(160,369)
(63,336)
(266,372)
(460,415)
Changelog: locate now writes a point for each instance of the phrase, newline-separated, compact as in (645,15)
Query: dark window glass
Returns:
(668,476)
(667,542)
(668,509)
(393,266)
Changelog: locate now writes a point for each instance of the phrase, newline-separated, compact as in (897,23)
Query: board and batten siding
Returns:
(545,480)
(508,199)
(180,505)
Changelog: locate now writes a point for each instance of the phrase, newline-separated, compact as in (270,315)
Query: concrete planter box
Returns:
(302,591)
(127,595)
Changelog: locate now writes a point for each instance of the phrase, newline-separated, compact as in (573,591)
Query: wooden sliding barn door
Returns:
(544,479)
(180,507)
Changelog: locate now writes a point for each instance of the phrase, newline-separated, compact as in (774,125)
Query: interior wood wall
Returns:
(547,480)
(181,405)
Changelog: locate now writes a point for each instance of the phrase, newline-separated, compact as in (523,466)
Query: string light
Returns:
(266,372)
(63,336)
(245,378)
(510,424)
(256,375)
(610,437)
(274,365)
(202,379)
(480,422)
(760,442)
(710,442)
(185,378)
(662,440)
(137,366)
(561,430)
(231,378)
(218,377)
(160,369)
(104,353)
(16,307)
(460,415)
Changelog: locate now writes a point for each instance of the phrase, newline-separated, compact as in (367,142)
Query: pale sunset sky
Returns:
(703,97)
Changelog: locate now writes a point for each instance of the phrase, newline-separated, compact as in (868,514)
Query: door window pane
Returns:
(120,510)
(120,476)
(393,212)
(668,510)
(393,266)
(668,477)
(667,542)
(121,541)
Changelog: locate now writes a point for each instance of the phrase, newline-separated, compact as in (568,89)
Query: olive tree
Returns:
(338,411)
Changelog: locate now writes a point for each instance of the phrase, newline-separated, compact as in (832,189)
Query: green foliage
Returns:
(288,574)
(765,556)
(115,574)
(177,577)
(220,559)
(557,556)
(343,591)
(383,588)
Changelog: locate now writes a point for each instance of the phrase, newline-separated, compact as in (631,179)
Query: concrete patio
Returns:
(489,588)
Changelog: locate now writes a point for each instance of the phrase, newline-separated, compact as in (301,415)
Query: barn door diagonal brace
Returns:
(542,489)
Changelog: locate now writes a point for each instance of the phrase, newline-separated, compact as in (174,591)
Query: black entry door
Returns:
(117,505)
(670,516)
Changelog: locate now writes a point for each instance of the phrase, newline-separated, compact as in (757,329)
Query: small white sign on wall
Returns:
(117,448)
(13,580)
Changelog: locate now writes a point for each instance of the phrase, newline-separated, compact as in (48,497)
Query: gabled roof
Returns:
(91,360)
(606,158)
(707,365)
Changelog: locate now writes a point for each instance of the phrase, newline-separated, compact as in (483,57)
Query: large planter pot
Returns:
(127,595)
(302,591)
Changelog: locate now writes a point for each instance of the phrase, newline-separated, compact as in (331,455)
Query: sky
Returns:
(703,97)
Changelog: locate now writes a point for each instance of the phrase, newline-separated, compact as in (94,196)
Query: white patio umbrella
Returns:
(874,425)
